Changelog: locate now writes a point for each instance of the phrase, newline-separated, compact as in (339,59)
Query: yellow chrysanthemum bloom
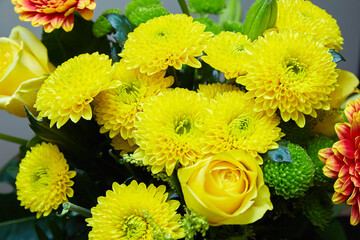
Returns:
(69,90)
(304,16)
(115,109)
(135,212)
(292,72)
(168,130)
(125,146)
(227,53)
(235,125)
(43,181)
(170,40)
(210,91)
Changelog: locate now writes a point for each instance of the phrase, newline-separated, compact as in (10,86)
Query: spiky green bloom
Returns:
(134,4)
(314,146)
(232,26)
(290,179)
(295,134)
(317,207)
(102,26)
(193,224)
(206,6)
(211,25)
(143,14)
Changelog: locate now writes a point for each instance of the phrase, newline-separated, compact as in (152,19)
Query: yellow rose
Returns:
(227,188)
(24,65)
(326,120)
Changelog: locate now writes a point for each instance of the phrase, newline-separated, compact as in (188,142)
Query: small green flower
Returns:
(102,26)
(143,14)
(193,223)
(206,7)
(211,26)
(290,179)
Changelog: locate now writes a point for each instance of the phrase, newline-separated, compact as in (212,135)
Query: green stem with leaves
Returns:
(13,139)
(184,7)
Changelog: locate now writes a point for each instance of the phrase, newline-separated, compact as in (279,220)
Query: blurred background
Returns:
(346,13)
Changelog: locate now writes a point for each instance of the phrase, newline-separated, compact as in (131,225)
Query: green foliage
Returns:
(232,12)
(193,224)
(206,7)
(211,25)
(143,14)
(232,26)
(133,5)
(63,45)
(290,179)
(317,207)
(102,26)
(314,146)
(295,134)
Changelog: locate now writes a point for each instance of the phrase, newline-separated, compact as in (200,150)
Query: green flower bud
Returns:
(295,134)
(143,14)
(232,26)
(101,26)
(314,146)
(193,224)
(290,179)
(135,4)
(211,26)
(261,16)
(206,7)
(317,207)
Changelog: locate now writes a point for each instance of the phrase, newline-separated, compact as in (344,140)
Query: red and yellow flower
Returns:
(342,161)
(53,14)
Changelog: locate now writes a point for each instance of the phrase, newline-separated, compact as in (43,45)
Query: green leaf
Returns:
(334,231)
(337,57)
(32,142)
(63,45)
(55,230)
(11,210)
(9,171)
(40,233)
(81,141)
(122,27)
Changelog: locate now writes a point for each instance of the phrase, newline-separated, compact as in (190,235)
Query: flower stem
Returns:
(75,208)
(13,139)
(184,7)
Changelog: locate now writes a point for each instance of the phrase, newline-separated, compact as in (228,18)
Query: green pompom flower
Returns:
(211,26)
(314,146)
(143,14)
(135,4)
(317,207)
(206,7)
(102,26)
(232,26)
(290,179)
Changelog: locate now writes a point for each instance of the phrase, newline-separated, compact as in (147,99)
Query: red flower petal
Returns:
(329,173)
(355,213)
(355,127)
(348,187)
(346,148)
(343,130)
(338,198)
(351,108)
(353,197)
(344,171)
(334,163)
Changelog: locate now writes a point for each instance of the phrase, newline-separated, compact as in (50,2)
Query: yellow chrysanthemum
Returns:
(115,109)
(235,125)
(226,52)
(292,72)
(170,40)
(168,130)
(125,146)
(135,212)
(43,181)
(69,90)
(210,91)
(304,16)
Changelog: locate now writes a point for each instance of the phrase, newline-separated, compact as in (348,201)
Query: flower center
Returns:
(183,126)
(135,227)
(240,125)
(294,69)
(128,93)
(39,176)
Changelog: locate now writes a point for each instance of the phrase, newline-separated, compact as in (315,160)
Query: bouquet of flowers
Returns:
(153,125)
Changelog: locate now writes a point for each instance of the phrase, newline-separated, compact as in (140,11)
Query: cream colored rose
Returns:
(227,188)
(24,65)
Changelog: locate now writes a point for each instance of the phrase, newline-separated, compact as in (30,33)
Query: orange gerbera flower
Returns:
(342,161)
(53,14)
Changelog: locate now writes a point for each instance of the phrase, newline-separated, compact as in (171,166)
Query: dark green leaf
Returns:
(334,231)
(40,233)
(122,27)
(337,57)
(7,172)
(63,45)
(11,210)
(55,230)
(32,142)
